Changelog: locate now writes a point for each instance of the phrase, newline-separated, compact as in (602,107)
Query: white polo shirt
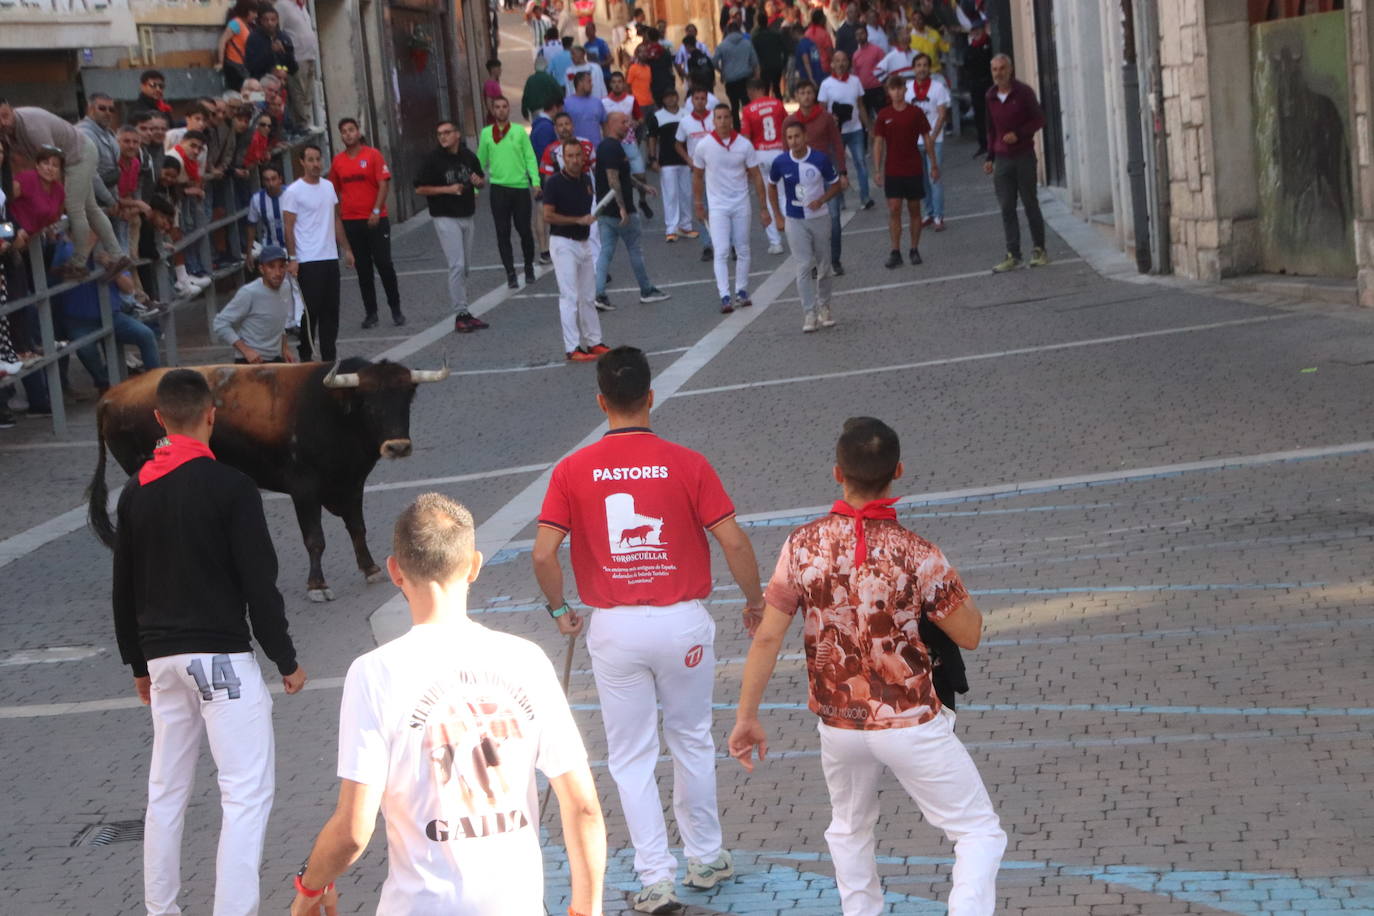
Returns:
(726,163)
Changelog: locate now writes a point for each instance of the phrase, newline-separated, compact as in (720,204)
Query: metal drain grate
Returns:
(114,832)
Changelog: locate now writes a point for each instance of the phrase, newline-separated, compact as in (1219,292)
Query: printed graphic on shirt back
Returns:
(631,533)
(464,728)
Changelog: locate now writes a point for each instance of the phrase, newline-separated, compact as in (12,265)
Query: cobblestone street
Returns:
(1158,494)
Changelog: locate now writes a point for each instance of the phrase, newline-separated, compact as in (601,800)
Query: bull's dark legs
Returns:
(352,516)
(312,532)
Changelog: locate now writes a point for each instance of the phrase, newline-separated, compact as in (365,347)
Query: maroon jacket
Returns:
(1019,114)
(822,133)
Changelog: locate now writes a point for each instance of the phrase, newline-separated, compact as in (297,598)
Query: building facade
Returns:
(1253,124)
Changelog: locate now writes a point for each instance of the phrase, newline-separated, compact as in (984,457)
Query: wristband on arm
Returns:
(305,891)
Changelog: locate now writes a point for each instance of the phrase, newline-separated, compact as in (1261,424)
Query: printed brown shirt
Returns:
(867,667)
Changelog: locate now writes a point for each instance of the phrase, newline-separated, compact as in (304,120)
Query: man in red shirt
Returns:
(819,33)
(898,129)
(761,121)
(638,509)
(882,607)
(361,178)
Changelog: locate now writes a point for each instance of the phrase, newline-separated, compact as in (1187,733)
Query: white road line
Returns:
(635,289)
(947,278)
(393,618)
(560,364)
(49,655)
(948,219)
(26,542)
(998,354)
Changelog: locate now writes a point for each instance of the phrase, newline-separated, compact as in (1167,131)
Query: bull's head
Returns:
(384,391)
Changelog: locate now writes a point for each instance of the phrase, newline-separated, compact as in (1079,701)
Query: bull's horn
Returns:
(337,379)
(429,375)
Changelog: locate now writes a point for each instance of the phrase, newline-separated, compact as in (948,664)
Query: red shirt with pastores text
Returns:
(637,509)
(356,179)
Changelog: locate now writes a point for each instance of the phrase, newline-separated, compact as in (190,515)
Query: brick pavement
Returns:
(1241,594)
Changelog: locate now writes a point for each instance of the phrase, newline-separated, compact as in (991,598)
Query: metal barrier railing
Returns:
(42,299)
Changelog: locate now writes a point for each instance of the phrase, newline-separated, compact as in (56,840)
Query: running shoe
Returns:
(708,254)
(809,323)
(914,256)
(868,204)
(689,234)
(653,295)
(603,304)
(702,876)
(1010,262)
(656,898)
(477,324)
(1039,258)
(726,306)
(823,317)
(775,248)
(545,258)
(894,259)
(581,356)
(742,299)
(670,238)
(462,323)
(598,349)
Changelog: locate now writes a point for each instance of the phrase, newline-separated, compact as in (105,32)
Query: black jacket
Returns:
(259,59)
(192,553)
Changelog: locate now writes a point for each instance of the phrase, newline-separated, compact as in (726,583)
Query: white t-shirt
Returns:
(727,164)
(691,130)
(452,720)
(850,92)
(313,205)
(938,97)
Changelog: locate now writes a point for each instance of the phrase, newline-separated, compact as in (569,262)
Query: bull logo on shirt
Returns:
(628,531)
(463,746)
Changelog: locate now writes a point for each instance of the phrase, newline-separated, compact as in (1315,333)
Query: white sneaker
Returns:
(187,288)
(702,876)
(775,248)
(809,324)
(201,282)
(823,317)
(657,898)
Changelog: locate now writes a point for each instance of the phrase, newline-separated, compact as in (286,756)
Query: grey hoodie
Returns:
(736,58)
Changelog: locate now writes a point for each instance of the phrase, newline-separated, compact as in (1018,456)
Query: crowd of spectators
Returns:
(135,179)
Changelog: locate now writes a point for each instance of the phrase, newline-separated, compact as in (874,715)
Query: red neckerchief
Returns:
(816,112)
(700,120)
(725,145)
(878,508)
(922,91)
(170,454)
(498,133)
(190,164)
(613,98)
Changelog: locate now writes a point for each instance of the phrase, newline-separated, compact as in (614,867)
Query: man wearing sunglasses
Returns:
(99,126)
(151,86)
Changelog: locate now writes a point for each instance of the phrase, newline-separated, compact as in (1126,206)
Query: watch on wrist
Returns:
(376,211)
(556,612)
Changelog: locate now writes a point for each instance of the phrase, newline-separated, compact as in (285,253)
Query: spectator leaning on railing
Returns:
(80,310)
(30,131)
(99,126)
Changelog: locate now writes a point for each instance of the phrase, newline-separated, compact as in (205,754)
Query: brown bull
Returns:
(309,430)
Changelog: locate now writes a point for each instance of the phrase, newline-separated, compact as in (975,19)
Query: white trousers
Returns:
(574,265)
(730,228)
(455,237)
(643,657)
(676,181)
(225,697)
(937,772)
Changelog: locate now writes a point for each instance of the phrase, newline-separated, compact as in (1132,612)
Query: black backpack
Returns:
(700,71)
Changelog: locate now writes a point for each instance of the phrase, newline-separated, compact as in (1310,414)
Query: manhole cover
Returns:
(114,832)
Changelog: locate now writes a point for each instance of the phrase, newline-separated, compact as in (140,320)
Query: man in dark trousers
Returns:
(192,555)
(1013,118)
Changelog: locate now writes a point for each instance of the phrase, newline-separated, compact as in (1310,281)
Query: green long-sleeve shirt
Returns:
(511,162)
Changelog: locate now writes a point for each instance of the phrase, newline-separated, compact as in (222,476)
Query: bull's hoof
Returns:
(377,575)
(320,594)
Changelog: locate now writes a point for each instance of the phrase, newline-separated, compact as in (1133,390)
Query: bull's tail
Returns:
(98,513)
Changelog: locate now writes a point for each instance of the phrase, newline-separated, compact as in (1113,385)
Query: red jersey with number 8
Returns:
(761,121)
(637,509)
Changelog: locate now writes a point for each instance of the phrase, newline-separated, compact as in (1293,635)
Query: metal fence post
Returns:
(53,371)
(114,356)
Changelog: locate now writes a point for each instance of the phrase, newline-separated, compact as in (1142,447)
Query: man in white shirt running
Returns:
(314,234)
(724,166)
(442,730)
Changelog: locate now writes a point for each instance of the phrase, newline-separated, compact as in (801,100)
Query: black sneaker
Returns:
(398,319)
(603,304)
(511,281)
(462,323)
(914,256)
(894,259)
(369,322)
(836,269)
(708,254)
(475,323)
(545,258)
(529,274)
(869,205)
